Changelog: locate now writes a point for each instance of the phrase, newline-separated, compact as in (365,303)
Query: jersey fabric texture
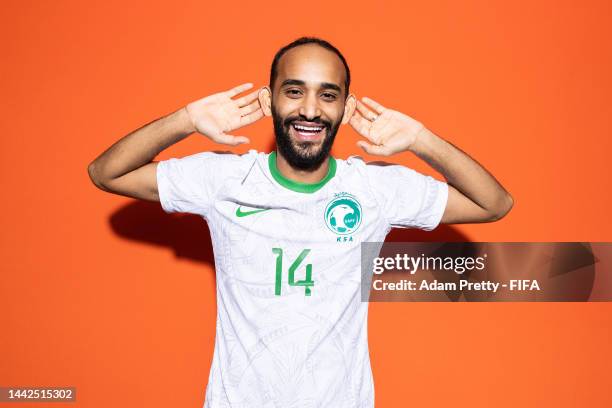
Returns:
(291,328)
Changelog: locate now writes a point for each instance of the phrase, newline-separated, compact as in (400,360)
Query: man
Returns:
(286,226)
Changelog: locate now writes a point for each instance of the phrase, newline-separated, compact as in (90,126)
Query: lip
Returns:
(307,136)
(309,124)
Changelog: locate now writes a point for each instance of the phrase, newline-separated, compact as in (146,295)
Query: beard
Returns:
(302,155)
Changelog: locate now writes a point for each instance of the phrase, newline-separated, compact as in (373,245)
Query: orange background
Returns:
(117,298)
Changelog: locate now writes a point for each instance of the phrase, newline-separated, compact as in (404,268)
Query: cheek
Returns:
(334,113)
(286,105)
(286,110)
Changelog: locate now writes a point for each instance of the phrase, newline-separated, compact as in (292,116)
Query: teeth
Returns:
(312,129)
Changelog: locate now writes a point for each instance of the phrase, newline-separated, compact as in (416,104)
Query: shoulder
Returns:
(214,159)
(224,156)
(373,169)
(209,167)
(384,177)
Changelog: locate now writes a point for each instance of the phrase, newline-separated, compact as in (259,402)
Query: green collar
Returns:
(296,185)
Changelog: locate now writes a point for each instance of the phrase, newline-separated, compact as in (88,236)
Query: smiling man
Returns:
(286,226)
(305,132)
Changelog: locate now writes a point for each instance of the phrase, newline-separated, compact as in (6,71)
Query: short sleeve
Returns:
(409,199)
(188,184)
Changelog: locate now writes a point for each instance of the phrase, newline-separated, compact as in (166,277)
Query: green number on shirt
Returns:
(307,282)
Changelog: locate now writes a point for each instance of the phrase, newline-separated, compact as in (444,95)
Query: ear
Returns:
(349,108)
(265,100)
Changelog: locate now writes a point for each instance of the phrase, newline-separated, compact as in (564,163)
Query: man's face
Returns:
(308,100)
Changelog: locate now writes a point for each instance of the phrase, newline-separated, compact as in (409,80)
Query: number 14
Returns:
(307,282)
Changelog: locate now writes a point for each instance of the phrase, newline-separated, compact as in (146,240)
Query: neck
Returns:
(301,176)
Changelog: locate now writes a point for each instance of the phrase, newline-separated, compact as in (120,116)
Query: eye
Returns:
(293,92)
(329,96)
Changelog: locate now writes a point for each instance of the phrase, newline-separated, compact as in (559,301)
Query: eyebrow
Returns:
(324,85)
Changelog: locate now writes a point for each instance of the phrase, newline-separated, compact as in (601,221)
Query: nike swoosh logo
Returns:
(240,213)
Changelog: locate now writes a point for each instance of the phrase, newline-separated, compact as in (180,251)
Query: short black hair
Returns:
(309,40)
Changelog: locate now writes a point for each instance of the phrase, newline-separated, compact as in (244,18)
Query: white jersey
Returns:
(291,326)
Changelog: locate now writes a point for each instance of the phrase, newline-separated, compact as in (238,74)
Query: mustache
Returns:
(327,124)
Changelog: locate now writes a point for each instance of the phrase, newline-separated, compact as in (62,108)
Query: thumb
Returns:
(241,140)
(374,150)
(231,140)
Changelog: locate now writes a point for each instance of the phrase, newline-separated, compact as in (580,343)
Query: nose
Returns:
(309,108)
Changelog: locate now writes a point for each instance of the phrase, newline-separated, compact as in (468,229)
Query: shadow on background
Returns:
(444,233)
(145,221)
(189,237)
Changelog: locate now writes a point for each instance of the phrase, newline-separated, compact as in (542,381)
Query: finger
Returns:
(367,113)
(250,108)
(251,117)
(373,149)
(377,106)
(245,100)
(224,138)
(361,125)
(240,88)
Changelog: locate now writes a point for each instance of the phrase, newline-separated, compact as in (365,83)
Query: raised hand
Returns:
(389,131)
(217,114)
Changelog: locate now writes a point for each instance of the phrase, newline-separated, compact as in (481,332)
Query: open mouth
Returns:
(304,132)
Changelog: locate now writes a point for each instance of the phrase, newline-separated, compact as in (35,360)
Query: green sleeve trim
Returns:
(296,185)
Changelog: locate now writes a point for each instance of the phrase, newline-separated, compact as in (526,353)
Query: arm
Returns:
(474,195)
(126,168)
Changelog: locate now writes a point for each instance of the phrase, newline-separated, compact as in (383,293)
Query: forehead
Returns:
(312,64)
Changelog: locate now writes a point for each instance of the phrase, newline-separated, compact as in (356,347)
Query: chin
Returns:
(309,152)
(311,148)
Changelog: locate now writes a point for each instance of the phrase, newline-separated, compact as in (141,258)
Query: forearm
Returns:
(140,147)
(462,172)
